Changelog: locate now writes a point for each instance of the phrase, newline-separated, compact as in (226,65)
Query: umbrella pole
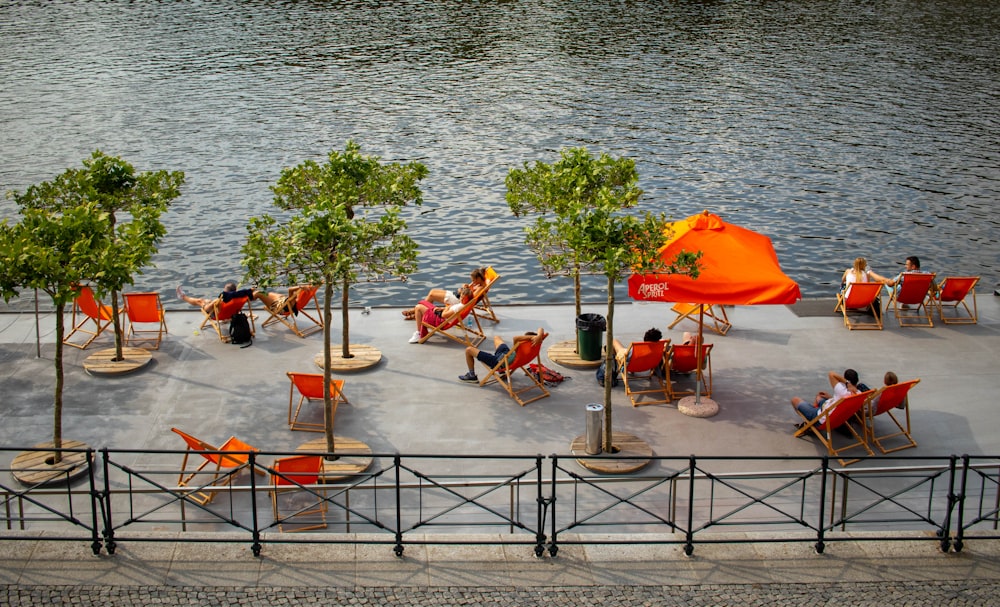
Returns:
(698,354)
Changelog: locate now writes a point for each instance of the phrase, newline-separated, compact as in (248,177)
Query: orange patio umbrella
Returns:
(738,267)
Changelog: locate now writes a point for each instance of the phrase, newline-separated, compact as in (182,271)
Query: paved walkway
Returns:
(413,403)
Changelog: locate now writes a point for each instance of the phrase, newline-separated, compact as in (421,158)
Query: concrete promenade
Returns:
(413,403)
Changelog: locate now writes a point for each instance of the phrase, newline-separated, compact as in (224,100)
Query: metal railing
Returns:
(539,502)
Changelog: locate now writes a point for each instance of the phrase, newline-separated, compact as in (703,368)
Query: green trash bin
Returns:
(589,332)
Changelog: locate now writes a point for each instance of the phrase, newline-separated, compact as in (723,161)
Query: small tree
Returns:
(345,223)
(559,192)
(112,186)
(52,251)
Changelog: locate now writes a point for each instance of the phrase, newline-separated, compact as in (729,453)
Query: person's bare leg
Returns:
(436,295)
(206,305)
(470,358)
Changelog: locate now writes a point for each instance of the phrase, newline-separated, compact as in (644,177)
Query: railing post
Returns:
(96,501)
(109,528)
(689,532)
(550,508)
(255,546)
(540,500)
(953,501)
(821,527)
(398,549)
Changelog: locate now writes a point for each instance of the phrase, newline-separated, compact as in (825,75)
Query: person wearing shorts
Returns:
(500,352)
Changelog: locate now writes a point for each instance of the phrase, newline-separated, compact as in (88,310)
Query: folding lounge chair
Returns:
(484,309)
(146,309)
(913,292)
(824,426)
(503,374)
(309,387)
(222,466)
(299,308)
(715,317)
(860,297)
(90,317)
(890,401)
(683,359)
(646,360)
(952,293)
(463,327)
(295,474)
(224,311)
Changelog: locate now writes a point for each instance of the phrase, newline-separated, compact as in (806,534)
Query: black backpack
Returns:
(239,330)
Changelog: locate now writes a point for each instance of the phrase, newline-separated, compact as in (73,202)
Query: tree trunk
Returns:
(327,361)
(119,355)
(609,368)
(577,290)
(345,346)
(57,409)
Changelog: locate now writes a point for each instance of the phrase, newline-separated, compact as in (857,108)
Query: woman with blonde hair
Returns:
(860,272)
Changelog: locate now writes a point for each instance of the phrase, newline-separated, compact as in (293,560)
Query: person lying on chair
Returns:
(276,302)
(501,351)
(426,313)
(449,298)
(229,292)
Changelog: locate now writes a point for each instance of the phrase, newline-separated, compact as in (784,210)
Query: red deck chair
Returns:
(288,314)
(683,360)
(145,309)
(503,373)
(90,317)
(484,308)
(457,328)
(309,387)
(847,409)
(913,291)
(223,311)
(298,474)
(952,293)
(218,462)
(890,401)
(716,318)
(646,360)
(860,297)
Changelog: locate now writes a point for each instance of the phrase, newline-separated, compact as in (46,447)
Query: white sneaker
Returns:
(416,337)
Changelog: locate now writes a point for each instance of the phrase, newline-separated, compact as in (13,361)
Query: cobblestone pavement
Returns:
(971,592)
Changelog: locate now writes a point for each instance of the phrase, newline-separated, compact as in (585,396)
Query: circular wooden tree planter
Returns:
(634,453)
(37,467)
(564,353)
(102,362)
(353,457)
(363,358)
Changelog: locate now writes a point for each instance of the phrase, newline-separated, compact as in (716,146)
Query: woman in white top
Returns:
(860,272)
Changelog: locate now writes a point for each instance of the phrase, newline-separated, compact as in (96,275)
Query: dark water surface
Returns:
(838,128)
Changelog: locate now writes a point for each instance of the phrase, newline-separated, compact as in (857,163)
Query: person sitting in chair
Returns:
(501,350)
(449,298)
(843,385)
(229,292)
(622,351)
(276,302)
(426,313)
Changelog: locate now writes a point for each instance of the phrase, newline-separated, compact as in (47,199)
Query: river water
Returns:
(837,127)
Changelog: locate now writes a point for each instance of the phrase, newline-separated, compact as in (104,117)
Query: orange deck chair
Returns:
(683,360)
(484,309)
(952,293)
(913,292)
(299,308)
(223,311)
(309,387)
(847,409)
(298,474)
(504,371)
(145,309)
(646,359)
(90,317)
(860,297)
(463,327)
(716,318)
(888,402)
(222,466)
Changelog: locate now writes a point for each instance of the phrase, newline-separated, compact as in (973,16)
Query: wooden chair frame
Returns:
(681,358)
(645,360)
(87,311)
(309,387)
(456,328)
(145,309)
(503,373)
(287,316)
(913,290)
(717,320)
(860,297)
(484,309)
(218,460)
(847,409)
(952,293)
(885,403)
(222,312)
(297,473)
